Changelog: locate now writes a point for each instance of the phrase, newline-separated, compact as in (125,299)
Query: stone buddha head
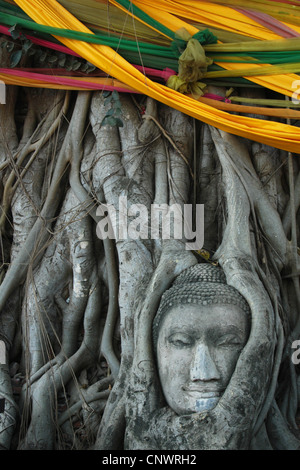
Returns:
(199,331)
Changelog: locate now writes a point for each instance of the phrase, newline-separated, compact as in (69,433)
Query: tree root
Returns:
(88,304)
(34,148)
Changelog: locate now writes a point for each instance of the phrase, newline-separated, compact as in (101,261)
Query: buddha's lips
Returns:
(200,393)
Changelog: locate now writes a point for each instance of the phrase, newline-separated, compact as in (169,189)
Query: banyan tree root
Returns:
(129,169)
(240,248)
(238,421)
(87,305)
(9,413)
(230,424)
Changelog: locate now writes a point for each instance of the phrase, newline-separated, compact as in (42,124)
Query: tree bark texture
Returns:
(77,311)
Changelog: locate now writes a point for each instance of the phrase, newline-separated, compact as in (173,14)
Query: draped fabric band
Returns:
(166,18)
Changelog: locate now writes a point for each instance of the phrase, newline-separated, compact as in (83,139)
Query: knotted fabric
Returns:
(192,61)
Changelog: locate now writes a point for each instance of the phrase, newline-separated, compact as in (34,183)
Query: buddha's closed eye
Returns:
(229,339)
(181,340)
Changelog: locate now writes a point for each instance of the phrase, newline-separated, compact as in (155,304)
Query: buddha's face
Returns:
(197,350)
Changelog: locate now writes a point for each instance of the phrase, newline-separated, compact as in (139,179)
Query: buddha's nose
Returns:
(203,367)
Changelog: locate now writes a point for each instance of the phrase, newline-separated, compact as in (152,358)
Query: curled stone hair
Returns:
(202,284)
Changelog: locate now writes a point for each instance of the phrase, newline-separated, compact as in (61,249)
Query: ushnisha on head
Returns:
(200,328)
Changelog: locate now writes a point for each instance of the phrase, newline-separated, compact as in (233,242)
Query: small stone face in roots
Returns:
(201,326)
(197,350)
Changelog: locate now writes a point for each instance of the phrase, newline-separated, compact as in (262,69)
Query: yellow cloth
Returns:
(221,16)
(10,79)
(224,17)
(50,12)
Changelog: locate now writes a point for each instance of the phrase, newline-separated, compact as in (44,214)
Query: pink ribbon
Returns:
(155,73)
(212,96)
(64,81)
(269,22)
